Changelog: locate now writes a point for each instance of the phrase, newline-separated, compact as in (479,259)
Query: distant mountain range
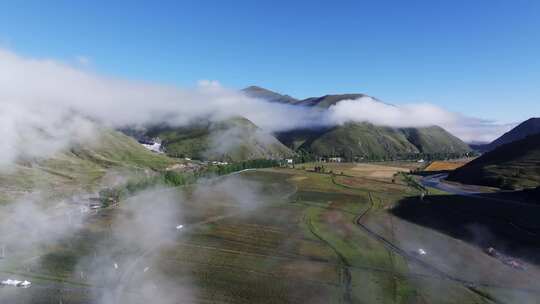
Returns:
(526,128)
(362,140)
(240,139)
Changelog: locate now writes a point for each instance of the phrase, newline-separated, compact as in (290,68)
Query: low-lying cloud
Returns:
(367,109)
(40,98)
(45,105)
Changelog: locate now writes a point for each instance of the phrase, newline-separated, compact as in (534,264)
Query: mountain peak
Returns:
(529,127)
(268,95)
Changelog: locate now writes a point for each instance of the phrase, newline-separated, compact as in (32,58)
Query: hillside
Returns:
(367,141)
(512,166)
(258,92)
(323,102)
(435,140)
(231,140)
(526,128)
(82,166)
(363,140)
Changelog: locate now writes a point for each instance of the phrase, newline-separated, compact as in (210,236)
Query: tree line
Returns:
(171,178)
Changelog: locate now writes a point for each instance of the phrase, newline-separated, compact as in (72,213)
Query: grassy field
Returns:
(301,237)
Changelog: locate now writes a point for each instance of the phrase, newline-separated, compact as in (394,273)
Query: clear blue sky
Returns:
(479,57)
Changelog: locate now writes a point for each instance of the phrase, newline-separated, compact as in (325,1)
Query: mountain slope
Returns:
(514,165)
(234,139)
(363,140)
(82,166)
(258,92)
(433,140)
(367,141)
(323,102)
(526,128)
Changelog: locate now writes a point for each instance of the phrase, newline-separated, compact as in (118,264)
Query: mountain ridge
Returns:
(529,127)
(514,165)
(233,139)
(363,140)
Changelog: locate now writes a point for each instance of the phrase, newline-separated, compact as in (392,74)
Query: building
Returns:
(335,159)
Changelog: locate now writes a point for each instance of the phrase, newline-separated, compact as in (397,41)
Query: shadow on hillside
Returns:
(509,227)
(529,196)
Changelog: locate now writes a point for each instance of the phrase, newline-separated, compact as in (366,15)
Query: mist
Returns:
(367,109)
(34,221)
(47,105)
(129,264)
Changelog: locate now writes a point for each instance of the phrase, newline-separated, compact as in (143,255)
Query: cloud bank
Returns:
(46,105)
(367,109)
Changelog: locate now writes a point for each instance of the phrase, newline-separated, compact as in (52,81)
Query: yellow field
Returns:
(445,165)
(380,171)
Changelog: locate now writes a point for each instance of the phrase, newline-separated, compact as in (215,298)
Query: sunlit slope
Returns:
(234,139)
(82,166)
(433,140)
(360,140)
(513,165)
(364,140)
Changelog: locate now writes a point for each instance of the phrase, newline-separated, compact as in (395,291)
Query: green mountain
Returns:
(234,139)
(364,140)
(511,166)
(526,128)
(367,141)
(435,140)
(323,101)
(82,166)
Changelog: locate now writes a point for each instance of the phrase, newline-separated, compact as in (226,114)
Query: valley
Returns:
(266,152)
(281,235)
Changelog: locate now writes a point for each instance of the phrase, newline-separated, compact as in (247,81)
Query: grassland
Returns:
(367,141)
(110,156)
(310,238)
(235,139)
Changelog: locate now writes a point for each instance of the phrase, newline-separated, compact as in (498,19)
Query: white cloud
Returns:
(40,101)
(36,97)
(82,60)
(415,115)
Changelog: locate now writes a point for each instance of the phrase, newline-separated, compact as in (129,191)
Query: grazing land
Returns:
(285,236)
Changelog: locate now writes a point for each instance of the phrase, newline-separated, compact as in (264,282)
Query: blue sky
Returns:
(480,58)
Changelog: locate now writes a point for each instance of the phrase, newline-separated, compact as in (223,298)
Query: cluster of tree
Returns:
(112,195)
(109,196)
(319,169)
(303,156)
(411,182)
